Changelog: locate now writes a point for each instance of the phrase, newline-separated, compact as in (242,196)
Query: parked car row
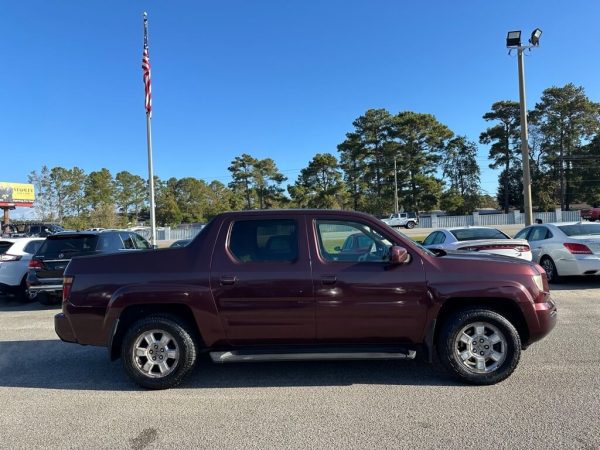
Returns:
(32,268)
(562,249)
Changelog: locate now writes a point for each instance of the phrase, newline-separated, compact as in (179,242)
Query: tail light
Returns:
(577,249)
(67,284)
(522,248)
(6,257)
(35,264)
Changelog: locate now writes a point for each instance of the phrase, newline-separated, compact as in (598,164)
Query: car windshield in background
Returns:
(581,229)
(472,234)
(55,228)
(68,246)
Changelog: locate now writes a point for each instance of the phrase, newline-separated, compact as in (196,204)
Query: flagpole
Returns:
(149,136)
(151,178)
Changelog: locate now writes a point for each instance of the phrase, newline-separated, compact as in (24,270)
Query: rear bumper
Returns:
(581,265)
(63,328)
(51,286)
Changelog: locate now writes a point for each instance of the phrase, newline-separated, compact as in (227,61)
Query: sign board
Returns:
(16,194)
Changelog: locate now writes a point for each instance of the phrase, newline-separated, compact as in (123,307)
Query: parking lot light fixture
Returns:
(535,37)
(513,39)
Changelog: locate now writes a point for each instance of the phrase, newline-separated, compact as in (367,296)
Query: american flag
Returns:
(146,69)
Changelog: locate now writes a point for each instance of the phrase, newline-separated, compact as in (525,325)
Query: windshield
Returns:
(580,229)
(472,234)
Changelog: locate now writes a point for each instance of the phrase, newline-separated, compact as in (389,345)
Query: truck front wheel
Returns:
(479,346)
(158,352)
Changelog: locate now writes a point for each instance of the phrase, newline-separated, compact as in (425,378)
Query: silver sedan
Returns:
(478,239)
(565,249)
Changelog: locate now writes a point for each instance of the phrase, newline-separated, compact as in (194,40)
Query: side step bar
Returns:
(237,356)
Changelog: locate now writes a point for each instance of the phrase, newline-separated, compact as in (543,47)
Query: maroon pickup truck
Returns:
(277,285)
(591,214)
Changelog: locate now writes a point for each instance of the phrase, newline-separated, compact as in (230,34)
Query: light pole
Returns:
(513,41)
(395,188)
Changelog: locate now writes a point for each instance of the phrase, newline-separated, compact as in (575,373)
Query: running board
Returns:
(236,356)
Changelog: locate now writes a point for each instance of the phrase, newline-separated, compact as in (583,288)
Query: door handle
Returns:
(328,279)
(228,280)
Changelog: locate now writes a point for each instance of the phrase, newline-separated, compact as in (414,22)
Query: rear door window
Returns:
(538,234)
(273,240)
(140,242)
(110,242)
(127,241)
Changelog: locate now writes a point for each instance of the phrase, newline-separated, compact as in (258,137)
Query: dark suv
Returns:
(35,229)
(44,280)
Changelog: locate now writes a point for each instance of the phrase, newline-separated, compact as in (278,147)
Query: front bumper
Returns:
(546,314)
(63,328)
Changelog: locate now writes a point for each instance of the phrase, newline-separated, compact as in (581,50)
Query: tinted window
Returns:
(580,229)
(522,234)
(32,247)
(4,246)
(127,241)
(140,242)
(429,239)
(110,242)
(440,238)
(264,240)
(471,234)
(366,244)
(538,234)
(68,246)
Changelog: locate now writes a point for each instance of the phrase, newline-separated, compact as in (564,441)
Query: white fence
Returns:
(514,218)
(433,221)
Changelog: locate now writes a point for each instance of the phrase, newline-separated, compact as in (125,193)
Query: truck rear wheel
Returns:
(158,352)
(410,225)
(479,346)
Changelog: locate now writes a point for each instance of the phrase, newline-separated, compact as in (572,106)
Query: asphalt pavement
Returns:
(59,395)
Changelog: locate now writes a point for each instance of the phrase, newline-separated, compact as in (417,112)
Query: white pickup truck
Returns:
(403,219)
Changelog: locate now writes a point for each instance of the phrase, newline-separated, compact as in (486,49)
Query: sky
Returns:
(278,79)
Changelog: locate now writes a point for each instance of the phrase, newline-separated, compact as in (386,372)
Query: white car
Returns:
(565,249)
(15,254)
(478,239)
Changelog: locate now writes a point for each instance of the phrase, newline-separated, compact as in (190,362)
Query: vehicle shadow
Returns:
(52,364)
(576,283)
(10,303)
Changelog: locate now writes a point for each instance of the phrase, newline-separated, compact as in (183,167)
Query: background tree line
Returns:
(435,168)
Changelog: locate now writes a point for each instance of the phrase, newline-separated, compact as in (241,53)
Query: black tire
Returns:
(182,340)
(449,346)
(21,291)
(550,268)
(410,225)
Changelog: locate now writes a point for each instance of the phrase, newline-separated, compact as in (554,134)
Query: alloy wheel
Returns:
(155,353)
(481,347)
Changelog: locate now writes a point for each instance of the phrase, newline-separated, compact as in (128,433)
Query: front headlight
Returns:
(537,279)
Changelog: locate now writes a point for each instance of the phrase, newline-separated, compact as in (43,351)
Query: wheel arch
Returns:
(132,313)
(506,307)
